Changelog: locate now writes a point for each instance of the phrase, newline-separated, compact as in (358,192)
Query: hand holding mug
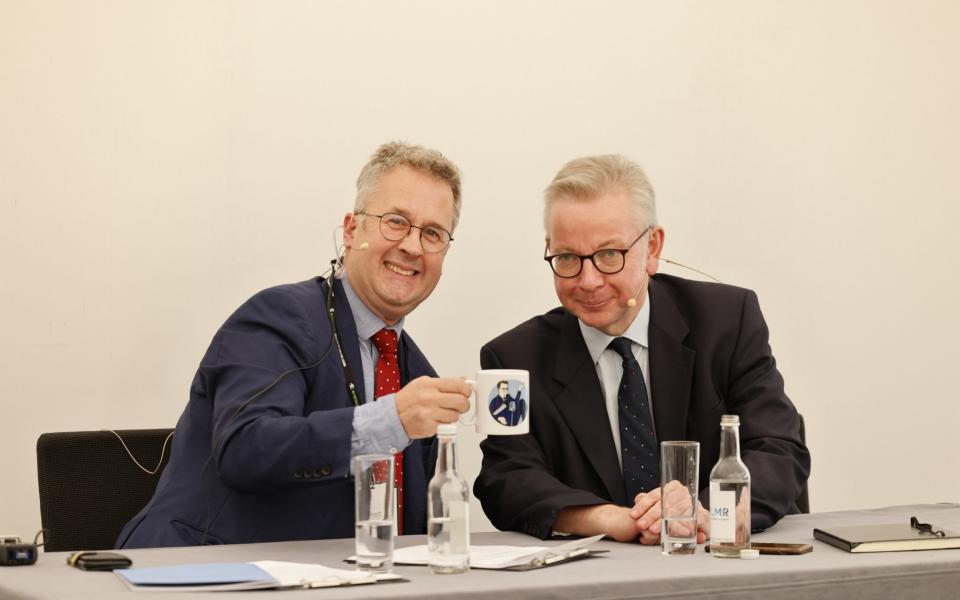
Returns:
(427,402)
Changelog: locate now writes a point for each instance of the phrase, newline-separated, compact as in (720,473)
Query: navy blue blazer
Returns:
(277,468)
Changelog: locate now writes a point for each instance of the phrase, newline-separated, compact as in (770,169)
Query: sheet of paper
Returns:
(481,557)
(498,557)
(290,574)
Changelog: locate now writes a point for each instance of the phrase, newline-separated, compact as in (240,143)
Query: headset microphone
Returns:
(363,246)
(633,301)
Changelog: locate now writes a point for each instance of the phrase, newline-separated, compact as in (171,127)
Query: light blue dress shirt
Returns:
(376,425)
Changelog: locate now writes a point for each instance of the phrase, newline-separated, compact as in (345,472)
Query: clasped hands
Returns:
(643,522)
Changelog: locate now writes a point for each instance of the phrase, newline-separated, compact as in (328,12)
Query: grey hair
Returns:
(588,177)
(394,154)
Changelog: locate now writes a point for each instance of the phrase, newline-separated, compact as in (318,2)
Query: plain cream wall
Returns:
(162,161)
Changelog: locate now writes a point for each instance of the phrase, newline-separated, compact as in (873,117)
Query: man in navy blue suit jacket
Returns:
(263,449)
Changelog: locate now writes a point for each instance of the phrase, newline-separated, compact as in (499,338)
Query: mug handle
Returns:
(472,412)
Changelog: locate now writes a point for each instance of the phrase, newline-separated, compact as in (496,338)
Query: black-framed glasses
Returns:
(925,528)
(606,260)
(395,227)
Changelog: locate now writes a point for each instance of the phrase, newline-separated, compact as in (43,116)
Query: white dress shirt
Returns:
(609,364)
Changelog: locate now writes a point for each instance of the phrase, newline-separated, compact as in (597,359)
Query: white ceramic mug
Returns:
(500,403)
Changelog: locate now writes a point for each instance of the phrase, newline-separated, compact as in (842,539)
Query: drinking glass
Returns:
(679,479)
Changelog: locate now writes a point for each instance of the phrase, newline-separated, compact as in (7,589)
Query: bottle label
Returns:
(723,515)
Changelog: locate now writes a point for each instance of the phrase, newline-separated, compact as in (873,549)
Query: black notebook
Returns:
(894,537)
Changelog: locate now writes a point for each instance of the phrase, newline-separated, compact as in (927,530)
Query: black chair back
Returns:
(90,486)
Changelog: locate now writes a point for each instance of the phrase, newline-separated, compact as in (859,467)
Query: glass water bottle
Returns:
(729,495)
(448,509)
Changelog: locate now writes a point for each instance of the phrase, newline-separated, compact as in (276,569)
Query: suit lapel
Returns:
(581,403)
(413,363)
(671,366)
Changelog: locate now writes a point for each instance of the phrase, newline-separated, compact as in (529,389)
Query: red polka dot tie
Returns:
(386,380)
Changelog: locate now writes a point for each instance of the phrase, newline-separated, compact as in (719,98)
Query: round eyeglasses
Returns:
(395,227)
(606,260)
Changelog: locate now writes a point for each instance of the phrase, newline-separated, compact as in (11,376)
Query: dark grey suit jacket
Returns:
(709,356)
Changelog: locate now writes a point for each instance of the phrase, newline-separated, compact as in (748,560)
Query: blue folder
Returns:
(196,575)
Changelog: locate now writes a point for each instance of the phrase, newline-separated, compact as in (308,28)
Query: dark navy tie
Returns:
(638,441)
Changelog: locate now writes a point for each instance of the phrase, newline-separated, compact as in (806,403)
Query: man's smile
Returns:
(399,270)
(594,304)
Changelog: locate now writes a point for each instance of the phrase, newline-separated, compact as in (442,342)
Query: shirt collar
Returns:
(367,322)
(597,341)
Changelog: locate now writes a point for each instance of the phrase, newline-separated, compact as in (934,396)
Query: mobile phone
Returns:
(776,548)
(98,561)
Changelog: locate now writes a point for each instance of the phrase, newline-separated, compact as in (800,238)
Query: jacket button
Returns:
(298,474)
(325,470)
(317,473)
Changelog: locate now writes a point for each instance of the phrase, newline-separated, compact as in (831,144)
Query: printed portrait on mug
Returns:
(507,403)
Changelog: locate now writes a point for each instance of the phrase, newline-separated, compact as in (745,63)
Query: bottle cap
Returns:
(729,420)
(447,429)
(750,553)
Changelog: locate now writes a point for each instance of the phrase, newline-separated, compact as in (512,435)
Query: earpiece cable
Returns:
(673,262)
(163,452)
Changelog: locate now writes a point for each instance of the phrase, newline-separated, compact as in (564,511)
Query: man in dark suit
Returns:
(263,449)
(589,464)
(506,409)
